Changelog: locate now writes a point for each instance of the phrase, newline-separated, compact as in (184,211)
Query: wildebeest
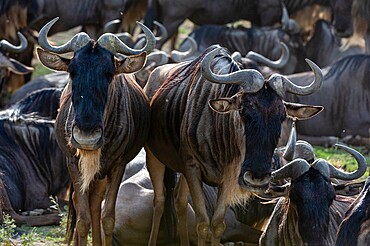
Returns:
(133,219)
(342,22)
(345,95)
(10,66)
(324,48)
(102,123)
(265,41)
(13,17)
(354,229)
(43,102)
(216,132)
(311,212)
(53,80)
(91,14)
(262,13)
(159,57)
(32,167)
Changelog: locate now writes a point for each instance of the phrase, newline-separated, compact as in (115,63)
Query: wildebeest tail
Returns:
(169,218)
(72,217)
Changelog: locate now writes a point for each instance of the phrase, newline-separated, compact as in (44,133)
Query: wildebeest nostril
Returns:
(256,178)
(87,138)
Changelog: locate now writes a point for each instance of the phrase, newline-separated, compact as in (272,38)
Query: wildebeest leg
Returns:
(181,203)
(96,195)
(218,219)
(108,214)
(172,28)
(81,204)
(156,171)
(194,179)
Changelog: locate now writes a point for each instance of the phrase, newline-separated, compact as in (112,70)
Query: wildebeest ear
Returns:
(19,68)
(301,111)
(227,104)
(53,61)
(130,64)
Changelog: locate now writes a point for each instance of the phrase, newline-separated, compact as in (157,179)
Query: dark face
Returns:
(342,17)
(263,114)
(91,70)
(312,194)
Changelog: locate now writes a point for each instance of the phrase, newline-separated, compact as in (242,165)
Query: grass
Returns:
(46,235)
(27,235)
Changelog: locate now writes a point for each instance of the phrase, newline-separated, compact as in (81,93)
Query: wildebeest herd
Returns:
(207,144)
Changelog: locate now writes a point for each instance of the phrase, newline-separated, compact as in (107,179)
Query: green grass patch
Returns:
(39,69)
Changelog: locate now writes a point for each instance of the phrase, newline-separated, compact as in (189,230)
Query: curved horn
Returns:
(112,43)
(125,37)
(6,46)
(249,79)
(292,170)
(162,30)
(281,62)
(288,25)
(158,57)
(290,146)
(281,84)
(78,41)
(140,43)
(111,26)
(141,37)
(179,56)
(333,172)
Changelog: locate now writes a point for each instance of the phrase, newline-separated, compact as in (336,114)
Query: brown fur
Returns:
(133,14)
(89,166)
(235,195)
(360,16)
(308,16)
(14,20)
(176,78)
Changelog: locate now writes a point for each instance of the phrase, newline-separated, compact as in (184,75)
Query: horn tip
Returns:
(284,46)
(55,19)
(338,145)
(311,63)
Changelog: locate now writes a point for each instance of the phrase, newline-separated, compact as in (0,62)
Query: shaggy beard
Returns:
(89,166)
